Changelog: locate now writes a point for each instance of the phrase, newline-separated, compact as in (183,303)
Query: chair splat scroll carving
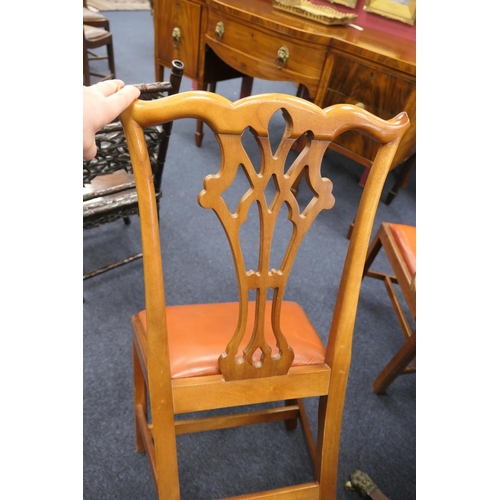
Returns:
(191,358)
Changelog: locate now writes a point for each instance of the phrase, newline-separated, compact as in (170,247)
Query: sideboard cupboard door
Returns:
(177,35)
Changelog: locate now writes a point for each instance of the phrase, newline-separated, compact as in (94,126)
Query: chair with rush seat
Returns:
(260,348)
(399,244)
(109,192)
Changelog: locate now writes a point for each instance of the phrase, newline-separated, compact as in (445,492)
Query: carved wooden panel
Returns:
(270,188)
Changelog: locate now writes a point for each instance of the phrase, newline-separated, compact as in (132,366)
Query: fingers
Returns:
(109,87)
(128,94)
(89,151)
(122,99)
(102,103)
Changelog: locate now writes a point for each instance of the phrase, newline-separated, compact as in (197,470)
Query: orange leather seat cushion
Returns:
(199,334)
(406,239)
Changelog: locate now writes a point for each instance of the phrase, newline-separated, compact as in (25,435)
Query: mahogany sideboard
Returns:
(221,39)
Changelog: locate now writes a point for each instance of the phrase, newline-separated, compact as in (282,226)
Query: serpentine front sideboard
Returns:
(221,39)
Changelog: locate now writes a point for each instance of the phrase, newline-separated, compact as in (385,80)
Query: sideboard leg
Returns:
(159,70)
(246,86)
(198,135)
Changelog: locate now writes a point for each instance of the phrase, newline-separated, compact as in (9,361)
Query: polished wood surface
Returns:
(265,353)
(336,64)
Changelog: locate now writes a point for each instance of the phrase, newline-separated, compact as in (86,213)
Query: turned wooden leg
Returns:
(198,135)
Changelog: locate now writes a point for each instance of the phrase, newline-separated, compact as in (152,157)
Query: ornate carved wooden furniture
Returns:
(109,191)
(399,244)
(262,348)
(221,39)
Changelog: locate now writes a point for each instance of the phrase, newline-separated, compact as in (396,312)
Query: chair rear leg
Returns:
(291,424)
(140,398)
(328,445)
(86,69)
(111,59)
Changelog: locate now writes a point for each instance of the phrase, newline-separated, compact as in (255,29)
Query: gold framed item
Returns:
(324,14)
(347,3)
(401,10)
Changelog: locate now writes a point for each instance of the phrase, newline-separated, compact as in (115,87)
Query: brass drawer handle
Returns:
(176,36)
(219,31)
(282,57)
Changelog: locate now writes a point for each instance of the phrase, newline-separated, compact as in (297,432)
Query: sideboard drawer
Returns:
(375,89)
(178,29)
(255,51)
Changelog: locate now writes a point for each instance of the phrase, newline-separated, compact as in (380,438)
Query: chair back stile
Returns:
(260,359)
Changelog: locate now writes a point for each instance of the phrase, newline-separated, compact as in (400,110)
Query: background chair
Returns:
(109,190)
(92,18)
(399,244)
(96,34)
(262,349)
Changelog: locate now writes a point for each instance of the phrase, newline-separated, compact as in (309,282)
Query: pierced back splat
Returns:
(258,359)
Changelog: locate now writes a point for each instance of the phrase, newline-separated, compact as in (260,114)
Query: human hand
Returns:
(102,103)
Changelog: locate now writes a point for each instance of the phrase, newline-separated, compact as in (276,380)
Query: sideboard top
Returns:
(368,43)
